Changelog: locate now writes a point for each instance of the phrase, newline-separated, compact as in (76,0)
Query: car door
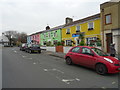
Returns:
(74,54)
(86,57)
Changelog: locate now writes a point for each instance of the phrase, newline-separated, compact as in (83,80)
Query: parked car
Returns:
(33,48)
(93,58)
(23,46)
(8,45)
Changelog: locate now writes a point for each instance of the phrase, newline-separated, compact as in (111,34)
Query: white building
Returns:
(4,40)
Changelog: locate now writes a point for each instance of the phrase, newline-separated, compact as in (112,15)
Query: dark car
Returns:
(8,45)
(93,58)
(33,48)
(23,46)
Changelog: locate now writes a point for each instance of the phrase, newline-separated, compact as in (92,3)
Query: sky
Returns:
(32,16)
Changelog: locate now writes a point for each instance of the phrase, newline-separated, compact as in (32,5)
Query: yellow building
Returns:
(90,26)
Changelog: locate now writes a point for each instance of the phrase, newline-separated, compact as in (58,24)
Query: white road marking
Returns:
(67,81)
(77,79)
(34,63)
(45,70)
(57,70)
(113,82)
(103,87)
(23,56)
(15,51)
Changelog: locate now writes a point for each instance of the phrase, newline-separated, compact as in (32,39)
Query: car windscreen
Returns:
(99,52)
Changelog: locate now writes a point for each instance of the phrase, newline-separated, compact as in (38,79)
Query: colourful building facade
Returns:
(89,26)
(51,37)
(28,39)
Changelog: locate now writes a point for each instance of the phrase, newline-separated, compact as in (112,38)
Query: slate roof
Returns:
(84,20)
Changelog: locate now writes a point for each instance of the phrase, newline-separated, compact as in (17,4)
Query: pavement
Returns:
(55,54)
(61,55)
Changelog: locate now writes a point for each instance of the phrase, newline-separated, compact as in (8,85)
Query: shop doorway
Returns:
(109,40)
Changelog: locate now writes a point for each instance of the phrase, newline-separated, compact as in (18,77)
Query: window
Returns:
(77,28)
(68,42)
(44,35)
(90,39)
(86,51)
(55,42)
(76,49)
(108,19)
(55,34)
(44,42)
(90,26)
(68,31)
(49,34)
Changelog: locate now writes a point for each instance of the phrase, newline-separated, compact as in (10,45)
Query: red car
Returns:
(93,58)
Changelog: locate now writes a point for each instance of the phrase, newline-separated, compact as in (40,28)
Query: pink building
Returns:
(35,38)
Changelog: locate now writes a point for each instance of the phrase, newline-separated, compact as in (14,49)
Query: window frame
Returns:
(110,19)
(90,28)
(49,35)
(67,31)
(77,28)
(67,43)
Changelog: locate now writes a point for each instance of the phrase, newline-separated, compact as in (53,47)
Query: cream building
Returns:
(110,25)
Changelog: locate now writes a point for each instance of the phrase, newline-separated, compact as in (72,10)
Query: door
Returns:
(74,54)
(108,41)
(87,58)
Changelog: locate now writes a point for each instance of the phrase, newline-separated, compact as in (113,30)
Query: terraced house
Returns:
(34,38)
(89,26)
(50,37)
(110,27)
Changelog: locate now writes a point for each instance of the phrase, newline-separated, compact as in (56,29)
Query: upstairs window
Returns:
(108,19)
(44,35)
(90,26)
(77,28)
(48,34)
(68,31)
(55,34)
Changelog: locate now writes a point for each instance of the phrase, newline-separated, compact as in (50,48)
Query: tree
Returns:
(16,37)
(82,36)
(11,35)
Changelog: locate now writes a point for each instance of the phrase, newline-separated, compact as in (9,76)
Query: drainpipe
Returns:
(102,28)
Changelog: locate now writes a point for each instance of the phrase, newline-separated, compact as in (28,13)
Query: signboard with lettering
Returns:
(75,35)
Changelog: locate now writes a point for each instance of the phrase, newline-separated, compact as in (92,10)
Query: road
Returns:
(24,70)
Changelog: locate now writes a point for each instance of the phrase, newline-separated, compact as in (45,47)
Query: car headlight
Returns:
(109,60)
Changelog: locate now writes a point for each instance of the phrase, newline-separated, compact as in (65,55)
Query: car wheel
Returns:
(101,69)
(39,51)
(69,61)
(30,51)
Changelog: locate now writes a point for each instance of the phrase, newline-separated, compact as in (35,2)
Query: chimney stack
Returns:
(47,28)
(68,20)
